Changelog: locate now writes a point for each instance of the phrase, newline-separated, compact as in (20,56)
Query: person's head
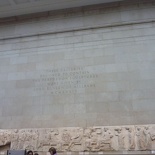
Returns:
(30,153)
(52,151)
(36,154)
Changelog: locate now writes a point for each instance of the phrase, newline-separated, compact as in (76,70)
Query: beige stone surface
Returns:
(97,71)
(77,139)
(90,83)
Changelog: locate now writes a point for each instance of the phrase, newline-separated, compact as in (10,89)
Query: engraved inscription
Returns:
(64,80)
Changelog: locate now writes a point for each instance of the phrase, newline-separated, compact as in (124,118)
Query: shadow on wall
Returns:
(4,148)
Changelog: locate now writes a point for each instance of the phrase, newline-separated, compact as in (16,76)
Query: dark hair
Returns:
(52,149)
(29,152)
(36,154)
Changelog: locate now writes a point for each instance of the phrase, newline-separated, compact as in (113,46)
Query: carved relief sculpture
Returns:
(141,138)
(131,138)
(91,139)
(106,141)
(121,137)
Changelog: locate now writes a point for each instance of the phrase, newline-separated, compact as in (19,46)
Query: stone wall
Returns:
(55,72)
(96,16)
(76,139)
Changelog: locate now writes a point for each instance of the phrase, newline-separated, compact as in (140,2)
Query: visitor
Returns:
(36,153)
(30,153)
(52,151)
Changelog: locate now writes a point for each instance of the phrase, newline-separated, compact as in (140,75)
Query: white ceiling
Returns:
(10,8)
